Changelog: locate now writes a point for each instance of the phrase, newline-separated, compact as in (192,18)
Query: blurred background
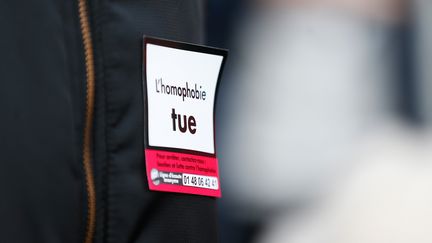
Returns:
(324,120)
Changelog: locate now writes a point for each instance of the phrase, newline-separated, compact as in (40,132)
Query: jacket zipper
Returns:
(88,126)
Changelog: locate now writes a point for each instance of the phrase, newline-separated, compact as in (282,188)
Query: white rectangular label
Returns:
(208,182)
(181,86)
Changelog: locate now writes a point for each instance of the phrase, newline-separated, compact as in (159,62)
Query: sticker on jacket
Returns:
(179,84)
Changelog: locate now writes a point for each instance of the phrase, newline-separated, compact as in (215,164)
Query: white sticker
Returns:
(181,86)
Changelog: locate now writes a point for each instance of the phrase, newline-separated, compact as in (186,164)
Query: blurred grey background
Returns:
(324,120)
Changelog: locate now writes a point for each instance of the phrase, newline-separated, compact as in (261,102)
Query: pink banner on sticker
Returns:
(182,173)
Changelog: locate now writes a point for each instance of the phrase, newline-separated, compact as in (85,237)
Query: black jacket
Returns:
(71,124)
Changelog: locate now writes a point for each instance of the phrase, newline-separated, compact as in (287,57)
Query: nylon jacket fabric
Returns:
(42,104)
